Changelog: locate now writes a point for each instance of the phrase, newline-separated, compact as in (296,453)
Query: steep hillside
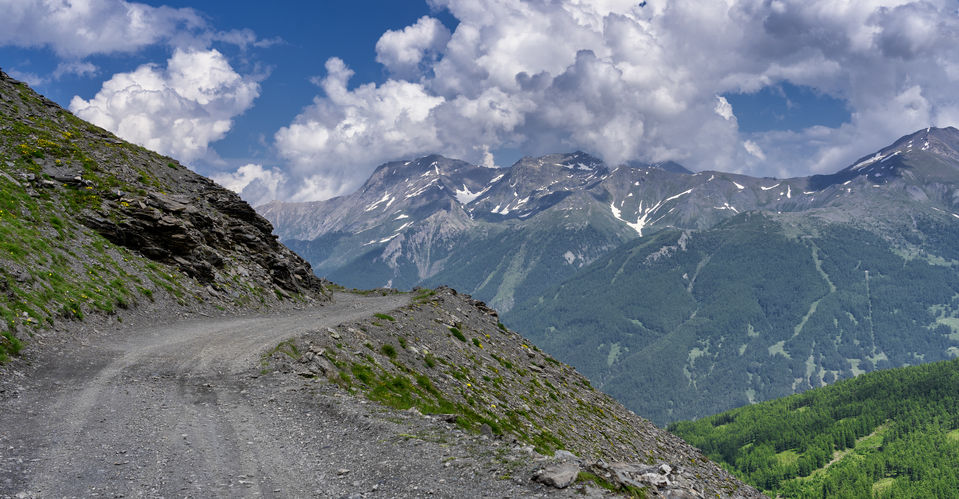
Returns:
(891,433)
(759,307)
(448,357)
(92,224)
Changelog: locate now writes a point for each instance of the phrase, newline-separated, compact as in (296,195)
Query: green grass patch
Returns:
(787,457)
(10,345)
(627,491)
(287,348)
(457,334)
(423,295)
(953,436)
(385,317)
(388,350)
(882,486)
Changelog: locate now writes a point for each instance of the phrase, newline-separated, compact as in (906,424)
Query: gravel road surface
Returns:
(182,410)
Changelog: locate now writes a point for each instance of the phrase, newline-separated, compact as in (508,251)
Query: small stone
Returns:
(342,471)
(654,479)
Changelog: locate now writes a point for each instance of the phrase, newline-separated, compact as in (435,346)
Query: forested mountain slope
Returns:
(768,303)
(890,433)
(756,308)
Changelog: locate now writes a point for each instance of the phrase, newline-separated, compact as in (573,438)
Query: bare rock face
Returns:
(200,234)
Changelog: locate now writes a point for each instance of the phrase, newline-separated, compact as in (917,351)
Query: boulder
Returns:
(560,475)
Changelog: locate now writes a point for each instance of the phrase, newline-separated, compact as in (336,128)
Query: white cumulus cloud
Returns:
(343,135)
(177,110)
(256,184)
(402,51)
(754,149)
(724,108)
(630,80)
(78,28)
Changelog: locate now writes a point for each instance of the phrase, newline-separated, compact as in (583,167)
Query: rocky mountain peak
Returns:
(926,155)
(672,167)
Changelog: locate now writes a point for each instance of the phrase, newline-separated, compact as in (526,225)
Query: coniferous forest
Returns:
(890,433)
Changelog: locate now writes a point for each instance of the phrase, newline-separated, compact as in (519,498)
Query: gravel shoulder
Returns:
(182,409)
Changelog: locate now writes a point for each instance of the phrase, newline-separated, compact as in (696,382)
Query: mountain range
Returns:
(727,288)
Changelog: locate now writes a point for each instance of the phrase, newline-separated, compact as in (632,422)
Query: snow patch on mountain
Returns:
(466,196)
(421,190)
(726,206)
(643,215)
(385,199)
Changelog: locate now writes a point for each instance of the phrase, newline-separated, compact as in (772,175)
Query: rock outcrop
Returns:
(92,223)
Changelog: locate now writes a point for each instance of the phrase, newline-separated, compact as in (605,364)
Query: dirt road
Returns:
(182,410)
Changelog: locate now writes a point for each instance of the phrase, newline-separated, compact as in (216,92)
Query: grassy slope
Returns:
(55,169)
(447,354)
(51,267)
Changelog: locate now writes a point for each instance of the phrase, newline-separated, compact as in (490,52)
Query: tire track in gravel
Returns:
(165,411)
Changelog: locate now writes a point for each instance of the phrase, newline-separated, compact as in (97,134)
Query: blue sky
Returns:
(301,100)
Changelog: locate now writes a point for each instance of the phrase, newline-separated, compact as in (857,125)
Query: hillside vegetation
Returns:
(447,355)
(889,433)
(92,224)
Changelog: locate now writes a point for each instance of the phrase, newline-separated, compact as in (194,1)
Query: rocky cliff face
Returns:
(92,223)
